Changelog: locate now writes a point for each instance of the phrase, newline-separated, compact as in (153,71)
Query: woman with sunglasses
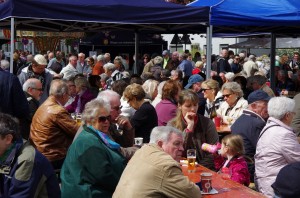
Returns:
(94,164)
(210,89)
(145,117)
(198,129)
(234,104)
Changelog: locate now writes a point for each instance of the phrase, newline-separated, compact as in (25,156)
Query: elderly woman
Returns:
(198,129)
(277,144)
(84,95)
(109,69)
(210,89)
(167,107)
(94,164)
(150,87)
(234,103)
(145,117)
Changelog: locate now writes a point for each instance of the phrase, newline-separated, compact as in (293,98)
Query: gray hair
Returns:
(9,125)
(58,88)
(91,110)
(100,57)
(30,83)
(163,133)
(81,82)
(107,95)
(279,106)
(229,76)
(109,66)
(4,64)
(233,87)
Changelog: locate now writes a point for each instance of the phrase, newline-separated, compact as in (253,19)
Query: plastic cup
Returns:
(206,182)
(138,141)
(217,121)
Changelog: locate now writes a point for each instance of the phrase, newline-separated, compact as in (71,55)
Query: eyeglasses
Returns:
(39,89)
(226,95)
(117,108)
(104,118)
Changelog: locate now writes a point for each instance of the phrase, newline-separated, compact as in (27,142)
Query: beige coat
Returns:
(153,173)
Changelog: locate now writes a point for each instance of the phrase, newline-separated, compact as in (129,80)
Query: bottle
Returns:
(213,112)
(211,148)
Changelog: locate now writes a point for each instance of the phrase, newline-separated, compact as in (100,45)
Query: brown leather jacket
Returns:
(52,130)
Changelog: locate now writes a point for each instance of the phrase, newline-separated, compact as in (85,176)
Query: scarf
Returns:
(106,139)
(41,77)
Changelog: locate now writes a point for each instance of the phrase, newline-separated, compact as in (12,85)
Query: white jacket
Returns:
(276,148)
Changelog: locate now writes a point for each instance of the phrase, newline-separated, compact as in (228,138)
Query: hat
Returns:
(40,59)
(165,52)
(287,181)
(193,79)
(258,95)
(158,60)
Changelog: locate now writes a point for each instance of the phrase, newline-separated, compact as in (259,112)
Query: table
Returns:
(223,129)
(236,189)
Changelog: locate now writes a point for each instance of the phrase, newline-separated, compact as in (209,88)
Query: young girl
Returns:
(231,156)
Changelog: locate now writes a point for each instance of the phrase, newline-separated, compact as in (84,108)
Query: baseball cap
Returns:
(193,79)
(165,52)
(40,59)
(258,95)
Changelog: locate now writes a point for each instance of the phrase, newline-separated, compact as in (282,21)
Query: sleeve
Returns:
(290,148)
(66,123)
(20,104)
(211,134)
(175,184)
(71,107)
(240,174)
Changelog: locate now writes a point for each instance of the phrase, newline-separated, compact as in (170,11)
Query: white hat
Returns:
(40,59)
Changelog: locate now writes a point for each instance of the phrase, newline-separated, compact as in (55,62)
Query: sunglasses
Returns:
(104,118)
(204,89)
(226,95)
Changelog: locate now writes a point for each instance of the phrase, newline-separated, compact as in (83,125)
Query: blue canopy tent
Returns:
(95,15)
(274,16)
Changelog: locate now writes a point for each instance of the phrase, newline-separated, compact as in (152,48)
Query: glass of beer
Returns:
(78,118)
(191,160)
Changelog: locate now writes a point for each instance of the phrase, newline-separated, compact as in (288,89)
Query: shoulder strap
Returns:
(263,131)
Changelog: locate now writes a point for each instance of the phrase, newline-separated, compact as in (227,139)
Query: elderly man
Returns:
(250,66)
(251,122)
(70,70)
(24,171)
(82,67)
(258,82)
(37,70)
(52,128)
(107,58)
(154,170)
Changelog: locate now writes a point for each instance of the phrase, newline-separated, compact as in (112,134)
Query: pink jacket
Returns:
(238,167)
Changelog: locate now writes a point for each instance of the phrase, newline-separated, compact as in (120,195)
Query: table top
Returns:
(223,129)
(236,189)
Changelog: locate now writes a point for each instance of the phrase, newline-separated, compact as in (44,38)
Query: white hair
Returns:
(4,64)
(109,66)
(100,57)
(279,106)
(149,87)
(30,83)
(229,76)
(163,133)
(108,95)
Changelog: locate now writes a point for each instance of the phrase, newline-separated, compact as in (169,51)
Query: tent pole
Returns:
(272,57)
(136,49)
(208,50)
(12,43)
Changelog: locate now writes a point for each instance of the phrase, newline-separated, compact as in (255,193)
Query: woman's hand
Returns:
(190,120)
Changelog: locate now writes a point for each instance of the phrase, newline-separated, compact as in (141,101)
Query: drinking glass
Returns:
(191,160)
(226,175)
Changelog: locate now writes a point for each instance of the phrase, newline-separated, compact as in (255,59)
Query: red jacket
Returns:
(238,166)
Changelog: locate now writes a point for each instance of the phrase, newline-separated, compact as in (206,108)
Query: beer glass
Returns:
(191,160)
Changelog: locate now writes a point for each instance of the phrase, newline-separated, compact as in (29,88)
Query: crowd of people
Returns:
(78,116)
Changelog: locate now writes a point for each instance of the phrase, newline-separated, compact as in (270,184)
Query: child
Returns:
(233,149)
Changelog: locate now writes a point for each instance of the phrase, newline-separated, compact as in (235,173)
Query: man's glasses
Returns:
(39,89)
(226,95)
(104,118)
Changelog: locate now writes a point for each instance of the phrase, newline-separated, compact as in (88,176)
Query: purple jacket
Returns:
(86,97)
(238,167)
(165,110)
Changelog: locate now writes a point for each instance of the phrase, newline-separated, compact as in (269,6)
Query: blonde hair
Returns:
(199,64)
(212,84)
(149,87)
(235,144)
(134,91)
